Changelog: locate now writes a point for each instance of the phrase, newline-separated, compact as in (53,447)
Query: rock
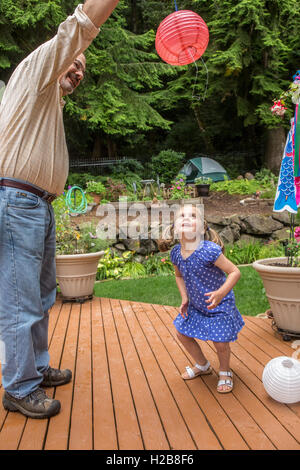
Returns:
(258,225)
(215,227)
(120,246)
(216,220)
(281,234)
(226,235)
(234,218)
(245,238)
(132,244)
(149,245)
(223,221)
(282,217)
(236,231)
(249,176)
(142,251)
(240,177)
(133,229)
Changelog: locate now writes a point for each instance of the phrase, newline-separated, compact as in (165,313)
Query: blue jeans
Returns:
(27,288)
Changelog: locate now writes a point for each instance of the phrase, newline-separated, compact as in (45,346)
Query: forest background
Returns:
(131,104)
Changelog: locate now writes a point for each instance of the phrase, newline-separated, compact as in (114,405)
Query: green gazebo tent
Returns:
(203,166)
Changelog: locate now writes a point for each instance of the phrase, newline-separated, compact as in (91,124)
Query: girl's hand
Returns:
(183,309)
(215,298)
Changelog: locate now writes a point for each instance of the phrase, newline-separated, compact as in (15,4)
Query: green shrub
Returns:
(134,270)
(243,186)
(167,164)
(246,253)
(157,264)
(111,265)
(128,166)
(271,250)
(95,187)
(79,179)
(265,182)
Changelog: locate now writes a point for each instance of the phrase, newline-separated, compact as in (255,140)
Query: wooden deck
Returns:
(127,393)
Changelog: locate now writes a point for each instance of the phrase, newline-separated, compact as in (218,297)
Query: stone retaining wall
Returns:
(231,229)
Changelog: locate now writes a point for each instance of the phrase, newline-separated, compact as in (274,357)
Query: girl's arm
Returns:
(233,275)
(182,289)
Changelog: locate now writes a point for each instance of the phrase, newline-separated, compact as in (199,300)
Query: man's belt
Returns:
(48,197)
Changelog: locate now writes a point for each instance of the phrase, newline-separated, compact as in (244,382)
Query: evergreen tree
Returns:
(254,49)
(24,26)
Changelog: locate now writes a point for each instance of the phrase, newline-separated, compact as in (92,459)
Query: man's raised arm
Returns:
(99,10)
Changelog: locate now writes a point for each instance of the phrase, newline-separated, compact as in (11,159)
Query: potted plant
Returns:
(202,184)
(78,251)
(281,276)
(95,189)
(281,280)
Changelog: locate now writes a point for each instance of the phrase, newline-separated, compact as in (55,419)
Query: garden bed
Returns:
(218,203)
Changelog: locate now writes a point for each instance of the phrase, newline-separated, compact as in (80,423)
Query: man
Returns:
(33,171)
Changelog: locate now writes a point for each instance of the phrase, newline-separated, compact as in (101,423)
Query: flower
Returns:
(178,187)
(73,239)
(278,108)
(297,234)
(163,260)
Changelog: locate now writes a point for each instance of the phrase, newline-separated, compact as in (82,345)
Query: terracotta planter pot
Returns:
(76,274)
(282,285)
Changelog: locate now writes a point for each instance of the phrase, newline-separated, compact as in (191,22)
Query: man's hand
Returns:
(99,10)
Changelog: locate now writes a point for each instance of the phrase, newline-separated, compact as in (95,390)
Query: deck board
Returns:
(127,393)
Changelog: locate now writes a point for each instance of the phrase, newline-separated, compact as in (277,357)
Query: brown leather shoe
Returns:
(35,405)
(55,377)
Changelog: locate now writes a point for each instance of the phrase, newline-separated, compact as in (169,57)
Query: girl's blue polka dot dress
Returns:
(200,275)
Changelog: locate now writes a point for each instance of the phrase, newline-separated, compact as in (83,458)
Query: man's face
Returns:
(70,79)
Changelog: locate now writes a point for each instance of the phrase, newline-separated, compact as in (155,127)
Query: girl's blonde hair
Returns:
(169,237)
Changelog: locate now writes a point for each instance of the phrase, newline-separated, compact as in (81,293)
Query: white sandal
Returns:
(227,382)
(202,370)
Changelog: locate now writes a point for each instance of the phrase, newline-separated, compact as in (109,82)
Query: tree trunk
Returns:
(96,154)
(134,27)
(275,144)
(112,149)
(208,143)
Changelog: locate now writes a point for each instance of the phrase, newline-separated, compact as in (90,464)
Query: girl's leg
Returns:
(223,351)
(193,348)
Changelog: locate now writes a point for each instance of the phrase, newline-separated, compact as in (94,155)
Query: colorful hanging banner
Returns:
(285,198)
(297,143)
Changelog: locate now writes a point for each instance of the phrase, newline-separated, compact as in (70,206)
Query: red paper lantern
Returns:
(181,38)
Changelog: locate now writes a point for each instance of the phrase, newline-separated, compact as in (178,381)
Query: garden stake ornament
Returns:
(181,39)
(288,189)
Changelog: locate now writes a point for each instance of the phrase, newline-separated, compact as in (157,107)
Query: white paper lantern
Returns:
(281,379)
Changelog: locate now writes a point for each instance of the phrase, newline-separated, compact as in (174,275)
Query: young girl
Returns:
(208,310)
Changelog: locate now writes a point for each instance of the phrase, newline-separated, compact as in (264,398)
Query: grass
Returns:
(249,292)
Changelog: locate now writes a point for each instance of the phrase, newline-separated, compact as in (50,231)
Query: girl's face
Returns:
(188,223)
